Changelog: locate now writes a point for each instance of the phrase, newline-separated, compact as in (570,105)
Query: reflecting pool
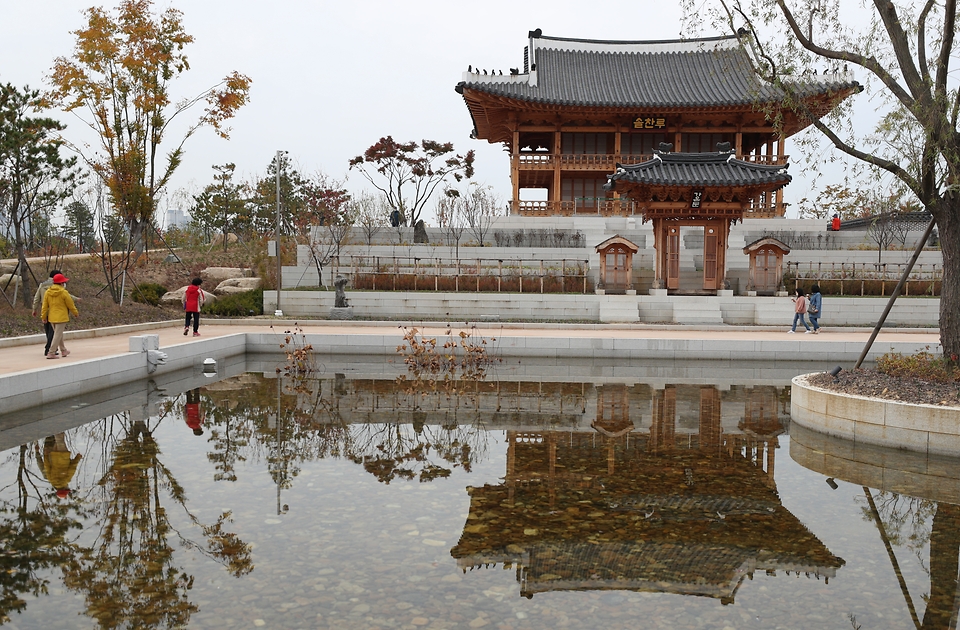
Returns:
(366,496)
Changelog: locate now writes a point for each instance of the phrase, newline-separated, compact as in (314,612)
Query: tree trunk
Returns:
(136,244)
(944,551)
(947,215)
(25,294)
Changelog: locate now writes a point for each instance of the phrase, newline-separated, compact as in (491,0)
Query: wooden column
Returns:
(780,210)
(555,191)
(515,172)
(658,257)
(724,237)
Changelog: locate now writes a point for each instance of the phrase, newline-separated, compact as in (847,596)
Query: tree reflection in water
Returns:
(34,536)
(906,521)
(129,575)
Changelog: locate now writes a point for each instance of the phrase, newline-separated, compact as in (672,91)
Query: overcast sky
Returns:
(331,78)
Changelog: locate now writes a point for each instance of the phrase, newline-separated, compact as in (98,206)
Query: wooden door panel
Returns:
(673,258)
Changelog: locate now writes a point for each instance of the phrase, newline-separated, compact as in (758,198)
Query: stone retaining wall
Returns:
(725,309)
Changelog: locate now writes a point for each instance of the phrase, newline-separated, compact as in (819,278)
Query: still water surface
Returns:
(346,502)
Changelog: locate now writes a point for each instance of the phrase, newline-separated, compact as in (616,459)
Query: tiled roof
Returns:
(720,168)
(713,72)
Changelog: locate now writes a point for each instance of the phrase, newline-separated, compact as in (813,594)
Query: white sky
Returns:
(331,78)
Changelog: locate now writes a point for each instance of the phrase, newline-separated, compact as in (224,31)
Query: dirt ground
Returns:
(97,308)
(874,384)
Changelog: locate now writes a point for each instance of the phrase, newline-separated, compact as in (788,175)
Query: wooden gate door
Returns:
(616,277)
(710,274)
(673,258)
(766,271)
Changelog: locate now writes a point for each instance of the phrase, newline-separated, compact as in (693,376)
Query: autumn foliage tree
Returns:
(408,173)
(118,81)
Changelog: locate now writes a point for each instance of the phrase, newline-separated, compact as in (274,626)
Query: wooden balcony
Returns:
(616,208)
(593,207)
(608,162)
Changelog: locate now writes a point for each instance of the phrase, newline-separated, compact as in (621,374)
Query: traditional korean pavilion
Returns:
(679,132)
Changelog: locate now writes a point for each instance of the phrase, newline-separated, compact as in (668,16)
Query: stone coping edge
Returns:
(928,429)
(126,329)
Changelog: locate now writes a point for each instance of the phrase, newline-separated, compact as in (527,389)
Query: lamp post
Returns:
(279,311)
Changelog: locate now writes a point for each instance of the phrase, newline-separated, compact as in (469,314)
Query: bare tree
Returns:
(329,238)
(882,232)
(905,52)
(480,207)
(372,214)
(452,217)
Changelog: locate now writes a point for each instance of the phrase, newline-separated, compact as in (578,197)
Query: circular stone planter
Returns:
(930,429)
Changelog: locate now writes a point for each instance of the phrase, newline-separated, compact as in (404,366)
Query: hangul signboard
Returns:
(650,122)
(696,198)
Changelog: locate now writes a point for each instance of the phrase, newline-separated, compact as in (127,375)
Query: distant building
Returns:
(176,217)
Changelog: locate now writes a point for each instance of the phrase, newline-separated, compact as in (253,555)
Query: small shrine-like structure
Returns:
(682,133)
(766,265)
(616,264)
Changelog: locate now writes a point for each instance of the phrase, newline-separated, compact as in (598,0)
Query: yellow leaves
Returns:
(120,70)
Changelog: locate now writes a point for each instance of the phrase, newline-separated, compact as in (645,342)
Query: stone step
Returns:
(619,309)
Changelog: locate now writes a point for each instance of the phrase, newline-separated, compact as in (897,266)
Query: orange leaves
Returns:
(120,72)
(224,100)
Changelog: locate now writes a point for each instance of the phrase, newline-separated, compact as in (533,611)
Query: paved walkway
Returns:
(29,355)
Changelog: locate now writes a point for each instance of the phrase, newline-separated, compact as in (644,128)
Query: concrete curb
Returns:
(928,429)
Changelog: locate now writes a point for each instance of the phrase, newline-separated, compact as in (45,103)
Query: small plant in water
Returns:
(300,357)
(434,363)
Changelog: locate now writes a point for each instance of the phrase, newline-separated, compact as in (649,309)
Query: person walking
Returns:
(56,309)
(38,303)
(193,299)
(800,309)
(814,306)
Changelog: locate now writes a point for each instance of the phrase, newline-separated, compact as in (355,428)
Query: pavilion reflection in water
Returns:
(674,500)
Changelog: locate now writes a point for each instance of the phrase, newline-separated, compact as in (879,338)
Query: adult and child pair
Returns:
(804,306)
(56,305)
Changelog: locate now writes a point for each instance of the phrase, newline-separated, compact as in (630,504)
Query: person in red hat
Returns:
(57,308)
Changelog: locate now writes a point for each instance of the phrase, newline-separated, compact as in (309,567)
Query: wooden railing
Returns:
(518,275)
(580,207)
(608,161)
(867,278)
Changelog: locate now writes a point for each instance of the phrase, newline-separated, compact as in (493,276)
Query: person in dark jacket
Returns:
(814,307)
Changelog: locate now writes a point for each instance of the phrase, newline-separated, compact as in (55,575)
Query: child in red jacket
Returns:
(193,299)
